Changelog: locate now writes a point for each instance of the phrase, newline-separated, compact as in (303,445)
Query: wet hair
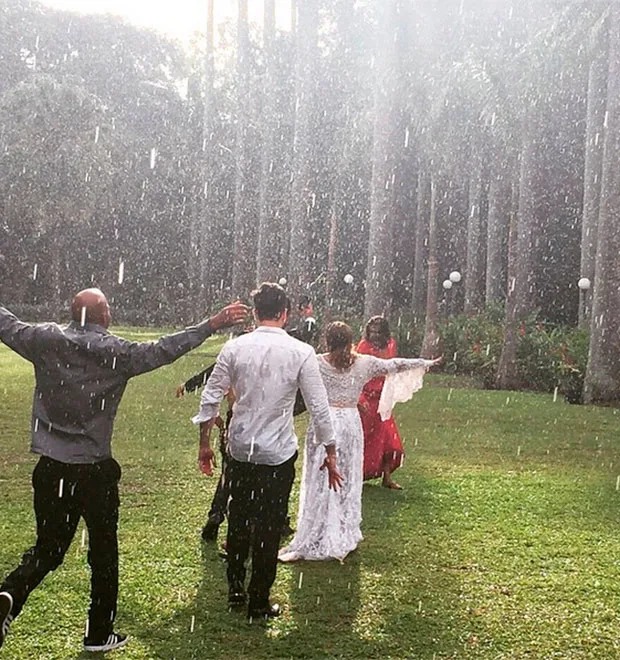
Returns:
(270,301)
(304,301)
(339,340)
(382,326)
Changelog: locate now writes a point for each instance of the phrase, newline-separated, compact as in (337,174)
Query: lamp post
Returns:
(453,278)
(584,285)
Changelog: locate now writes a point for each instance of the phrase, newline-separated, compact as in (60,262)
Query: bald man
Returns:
(81,372)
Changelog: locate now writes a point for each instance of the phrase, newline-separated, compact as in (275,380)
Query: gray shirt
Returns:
(265,368)
(81,373)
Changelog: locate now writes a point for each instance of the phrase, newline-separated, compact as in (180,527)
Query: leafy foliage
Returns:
(549,356)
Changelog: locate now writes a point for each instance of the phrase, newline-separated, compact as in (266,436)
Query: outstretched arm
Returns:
(138,358)
(17,335)
(195,382)
(380,367)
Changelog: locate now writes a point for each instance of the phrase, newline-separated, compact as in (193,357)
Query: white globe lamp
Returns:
(282,281)
(584,284)
(455,277)
(348,278)
(447,284)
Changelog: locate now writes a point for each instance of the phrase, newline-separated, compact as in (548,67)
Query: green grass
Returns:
(505,542)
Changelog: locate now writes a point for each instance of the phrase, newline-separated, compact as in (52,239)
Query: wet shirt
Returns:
(265,368)
(81,373)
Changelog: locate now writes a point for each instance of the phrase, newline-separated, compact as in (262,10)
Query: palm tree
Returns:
(379,267)
(245,229)
(602,380)
(303,189)
(430,343)
(269,232)
(597,92)
(202,245)
(420,264)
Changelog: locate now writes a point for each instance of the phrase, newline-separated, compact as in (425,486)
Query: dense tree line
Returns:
(392,140)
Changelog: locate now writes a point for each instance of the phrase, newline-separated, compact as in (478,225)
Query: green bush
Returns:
(472,344)
(548,356)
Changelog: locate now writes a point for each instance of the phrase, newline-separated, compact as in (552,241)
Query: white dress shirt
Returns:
(265,368)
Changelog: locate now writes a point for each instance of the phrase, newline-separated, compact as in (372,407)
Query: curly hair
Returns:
(339,340)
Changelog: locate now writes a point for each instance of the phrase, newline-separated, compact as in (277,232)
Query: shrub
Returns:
(472,345)
(548,356)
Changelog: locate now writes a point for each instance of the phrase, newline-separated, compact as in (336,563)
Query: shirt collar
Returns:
(269,328)
(88,327)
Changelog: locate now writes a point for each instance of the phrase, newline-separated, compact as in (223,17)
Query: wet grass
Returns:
(505,542)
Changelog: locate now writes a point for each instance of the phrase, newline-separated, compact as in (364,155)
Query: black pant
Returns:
(62,494)
(219,503)
(256,513)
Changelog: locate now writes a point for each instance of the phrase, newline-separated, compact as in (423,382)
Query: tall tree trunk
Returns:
(332,248)
(269,232)
(519,302)
(303,191)
(245,232)
(379,267)
(602,381)
(597,87)
(474,271)
(420,263)
(203,238)
(498,223)
(430,343)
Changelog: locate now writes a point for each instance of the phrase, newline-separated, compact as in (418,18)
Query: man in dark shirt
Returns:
(81,372)
(307,329)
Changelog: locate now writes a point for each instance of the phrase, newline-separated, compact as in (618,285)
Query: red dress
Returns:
(381,439)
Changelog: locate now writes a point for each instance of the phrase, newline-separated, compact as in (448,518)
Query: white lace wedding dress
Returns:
(328,522)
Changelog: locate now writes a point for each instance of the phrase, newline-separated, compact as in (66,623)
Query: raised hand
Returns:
(232,314)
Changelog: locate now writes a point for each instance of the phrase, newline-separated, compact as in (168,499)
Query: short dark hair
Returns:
(270,301)
(304,301)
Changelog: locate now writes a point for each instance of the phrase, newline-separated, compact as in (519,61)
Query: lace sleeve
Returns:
(379,367)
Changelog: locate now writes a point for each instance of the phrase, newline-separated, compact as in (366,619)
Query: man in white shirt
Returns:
(264,368)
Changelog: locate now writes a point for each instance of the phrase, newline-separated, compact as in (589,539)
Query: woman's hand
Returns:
(334,477)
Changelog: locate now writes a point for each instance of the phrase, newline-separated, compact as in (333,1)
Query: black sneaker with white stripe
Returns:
(113,641)
(6,618)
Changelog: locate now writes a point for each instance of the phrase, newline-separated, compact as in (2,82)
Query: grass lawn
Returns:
(504,543)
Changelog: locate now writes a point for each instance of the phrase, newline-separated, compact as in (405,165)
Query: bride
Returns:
(328,522)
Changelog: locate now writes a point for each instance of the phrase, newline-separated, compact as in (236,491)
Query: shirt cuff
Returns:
(205,329)
(205,414)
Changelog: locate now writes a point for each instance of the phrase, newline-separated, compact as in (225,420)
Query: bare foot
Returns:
(392,484)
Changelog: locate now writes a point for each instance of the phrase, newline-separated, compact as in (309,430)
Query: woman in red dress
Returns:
(383,448)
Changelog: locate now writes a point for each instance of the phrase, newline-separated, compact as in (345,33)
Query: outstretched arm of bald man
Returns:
(17,335)
(138,358)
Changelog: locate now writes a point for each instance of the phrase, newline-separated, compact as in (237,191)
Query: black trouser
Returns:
(63,493)
(219,503)
(256,513)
